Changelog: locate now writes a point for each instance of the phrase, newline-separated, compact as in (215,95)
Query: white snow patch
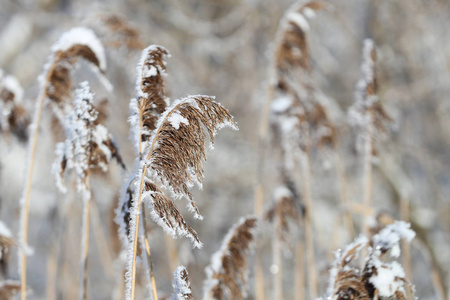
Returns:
(386,281)
(299,20)
(4,231)
(176,119)
(82,36)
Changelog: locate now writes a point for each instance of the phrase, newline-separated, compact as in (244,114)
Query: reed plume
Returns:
(368,115)
(88,146)
(55,85)
(14,118)
(119,32)
(379,278)
(181,285)
(227,273)
(151,100)
(145,110)
(298,117)
(174,159)
(284,212)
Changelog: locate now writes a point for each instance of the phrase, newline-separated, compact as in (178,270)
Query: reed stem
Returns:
(25,203)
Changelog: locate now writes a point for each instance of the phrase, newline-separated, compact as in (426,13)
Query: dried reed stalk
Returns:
(88,146)
(283,214)
(227,273)
(74,44)
(296,110)
(309,229)
(299,271)
(145,109)
(174,158)
(368,113)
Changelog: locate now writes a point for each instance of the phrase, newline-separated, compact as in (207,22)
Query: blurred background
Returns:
(224,48)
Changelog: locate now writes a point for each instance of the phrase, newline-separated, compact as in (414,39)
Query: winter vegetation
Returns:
(121,178)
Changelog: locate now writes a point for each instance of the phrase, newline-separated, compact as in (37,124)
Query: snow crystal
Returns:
(175,119)
(82,36)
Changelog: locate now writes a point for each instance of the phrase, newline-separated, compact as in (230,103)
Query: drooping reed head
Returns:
(13,116)
(120,33)
(77,43)
(283,212)
(151,100)
(88,144)
(292,52)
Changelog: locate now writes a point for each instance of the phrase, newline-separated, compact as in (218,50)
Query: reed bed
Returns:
(335,186)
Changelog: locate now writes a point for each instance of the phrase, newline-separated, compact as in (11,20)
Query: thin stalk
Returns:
(367,174)
(299,271)
(309,229)
(25,203)
(277,265)
(141,188)
(343,189)
(85,244)
(406,248)
(100,241)
(174,261)
(259,188)
(147,244)
(149,261)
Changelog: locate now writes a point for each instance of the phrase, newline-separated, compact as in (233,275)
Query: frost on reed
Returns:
(151,100)
(367,111)
(299,116)
(88,145)
(13,116)
(56,85)
(145,109)
(174,159)
(56,81)
(8,288)
(6,240)
(227,274)
(380,278)
(181,285)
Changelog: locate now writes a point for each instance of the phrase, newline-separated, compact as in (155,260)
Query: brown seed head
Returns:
(228,280)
